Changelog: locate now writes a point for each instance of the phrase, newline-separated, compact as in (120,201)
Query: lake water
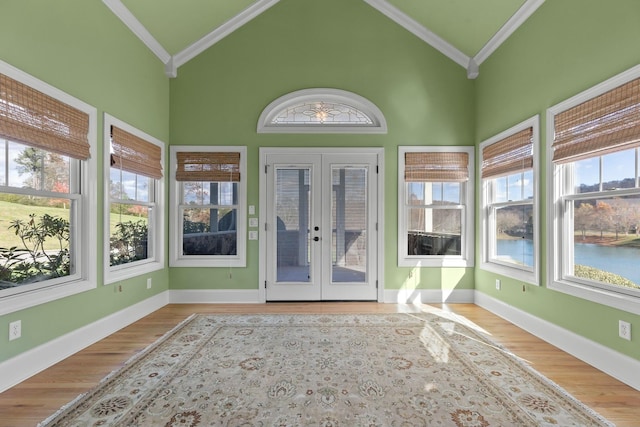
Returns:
(615,259)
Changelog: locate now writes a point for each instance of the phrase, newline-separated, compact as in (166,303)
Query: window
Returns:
(209,197)
(509,197)
(134,225)
(435,202)
(47,181)
(322,111)
(594,153)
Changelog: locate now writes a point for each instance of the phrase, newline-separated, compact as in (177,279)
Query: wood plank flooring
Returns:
(40,396)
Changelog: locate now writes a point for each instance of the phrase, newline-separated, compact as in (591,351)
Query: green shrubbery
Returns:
(129,242)
(603,276)
(32,263)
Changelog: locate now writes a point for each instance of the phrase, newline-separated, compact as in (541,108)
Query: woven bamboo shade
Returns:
(208,166)
(511,154)
(134,154)
(436,167)
(38,120)
(607,123)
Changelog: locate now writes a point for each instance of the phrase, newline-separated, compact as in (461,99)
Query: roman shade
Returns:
(509,155)
(208,166)
(33,118)
(134,154)
(436,167)
(607,123)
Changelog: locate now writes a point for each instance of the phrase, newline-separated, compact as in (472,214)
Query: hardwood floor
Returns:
(38,397)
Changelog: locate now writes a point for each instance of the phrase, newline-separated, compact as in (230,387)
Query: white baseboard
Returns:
(410,296)
(617,365)
(214,296)
(29,363)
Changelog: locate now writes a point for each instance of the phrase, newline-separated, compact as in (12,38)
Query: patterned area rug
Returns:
(327,371)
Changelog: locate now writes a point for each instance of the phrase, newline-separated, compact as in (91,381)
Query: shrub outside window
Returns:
(209,215)
(435,206)
(134,218)
(46,181)
(509,193)
(595,193)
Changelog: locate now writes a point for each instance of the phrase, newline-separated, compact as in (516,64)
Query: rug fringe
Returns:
(110,375)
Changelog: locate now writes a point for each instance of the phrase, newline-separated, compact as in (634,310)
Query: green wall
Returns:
(565,48)
(346,44)
(81,48)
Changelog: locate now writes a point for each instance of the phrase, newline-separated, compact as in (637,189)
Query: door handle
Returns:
(316,238)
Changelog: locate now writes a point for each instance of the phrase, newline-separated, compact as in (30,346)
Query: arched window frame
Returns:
(266,121)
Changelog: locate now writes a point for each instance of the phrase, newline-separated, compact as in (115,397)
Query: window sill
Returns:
(128,272)
(512,272)
(616,300)
(435,262)
(208,261)
(30,299)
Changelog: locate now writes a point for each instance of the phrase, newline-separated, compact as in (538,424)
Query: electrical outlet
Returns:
(149,283)
(624,330)
(15,330)
(498,284)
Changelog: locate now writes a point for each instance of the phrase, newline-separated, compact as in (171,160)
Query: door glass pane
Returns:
(349,224)
(293,189)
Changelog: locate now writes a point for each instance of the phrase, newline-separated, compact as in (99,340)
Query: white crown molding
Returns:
(473,70)
(170,69)
(222,31)
(125,15)
(172,63)
(420,31)
(518,18)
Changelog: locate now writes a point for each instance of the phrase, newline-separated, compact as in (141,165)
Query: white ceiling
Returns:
(466,31)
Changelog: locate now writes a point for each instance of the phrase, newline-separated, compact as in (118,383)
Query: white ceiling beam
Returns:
(518,18)
(420,31)
(222,31)
(125,15)
(172,63)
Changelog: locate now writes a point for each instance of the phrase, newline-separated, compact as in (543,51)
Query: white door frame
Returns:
(262,217)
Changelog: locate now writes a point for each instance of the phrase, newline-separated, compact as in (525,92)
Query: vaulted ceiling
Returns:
(467,31)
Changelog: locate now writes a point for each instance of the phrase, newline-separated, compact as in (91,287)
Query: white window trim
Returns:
(555,279)
(466,259)
(486,263)
(265,124)
(156,262)
(86,247)
(176,259)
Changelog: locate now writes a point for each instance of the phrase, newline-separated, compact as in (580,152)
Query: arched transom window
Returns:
(321,111)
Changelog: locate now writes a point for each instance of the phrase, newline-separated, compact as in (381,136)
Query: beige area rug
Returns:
(427,369)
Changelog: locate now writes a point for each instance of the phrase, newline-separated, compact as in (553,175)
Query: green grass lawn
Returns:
(12,211)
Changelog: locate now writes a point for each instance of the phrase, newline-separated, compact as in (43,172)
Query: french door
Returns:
(321,219)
